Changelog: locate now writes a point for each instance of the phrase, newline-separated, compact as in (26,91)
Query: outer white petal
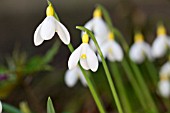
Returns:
(0,107)
(99,41)
(159,47)
(136,53)
(89,25)
(47,30)
(116,51)
(165,69)
(62,32)
(74,58)
(71,77)
(92,59)
(147,50)
(164,88)
(104,48)
(100,28)
(37,38)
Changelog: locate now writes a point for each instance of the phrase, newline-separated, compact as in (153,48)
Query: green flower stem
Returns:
(91,86)
(113,90)
(134,83)
(121,89)
(133,65)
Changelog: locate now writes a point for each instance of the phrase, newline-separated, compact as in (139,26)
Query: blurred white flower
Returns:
(161,43)
(85,54)
(164,83)
(72,76)
(98,27)
(111,49)
(0,107)
(164,88)
(47,29)
(140,49)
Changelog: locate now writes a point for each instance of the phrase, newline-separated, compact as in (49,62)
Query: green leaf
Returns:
(38,63)
(50,108)
(10,109)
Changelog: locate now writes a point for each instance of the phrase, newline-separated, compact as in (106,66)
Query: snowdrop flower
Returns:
(161,43)
(72,76)
(140,49)
(111,49)
(0,107)
(47,29)
(98,26)
(164,83)
(85,54)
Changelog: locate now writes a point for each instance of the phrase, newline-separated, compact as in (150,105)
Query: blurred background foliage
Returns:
(34,73)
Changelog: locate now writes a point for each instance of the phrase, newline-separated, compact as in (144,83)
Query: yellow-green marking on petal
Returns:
(50,10)
(83,56)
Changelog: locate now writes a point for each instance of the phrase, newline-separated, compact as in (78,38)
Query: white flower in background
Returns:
(85,54)
(111,49)
(0,107)
(164,83)
(98,27)
(72,76)
(47,29)
(161,43)
(140,49)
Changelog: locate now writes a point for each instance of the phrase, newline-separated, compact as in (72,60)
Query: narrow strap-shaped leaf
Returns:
(50,107)
(10,109)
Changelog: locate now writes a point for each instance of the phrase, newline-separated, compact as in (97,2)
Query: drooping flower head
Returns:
(47,29)
(98,26)
(0,107)
(140,49)
(161,43)
(164,83)
(111,49)
(85,54)
(72,76)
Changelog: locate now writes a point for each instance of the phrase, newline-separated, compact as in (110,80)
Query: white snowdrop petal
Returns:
(100,28)
(89,25)
(62,32)
(74,58)
(117,51)
(104,48)
(147,50)
(92,60)
(47,30)
(136,53)
(71,77)
(164,88)
(159,47)
(0,107)
(37,38)
(84,64)
(165,69)
(110,54)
